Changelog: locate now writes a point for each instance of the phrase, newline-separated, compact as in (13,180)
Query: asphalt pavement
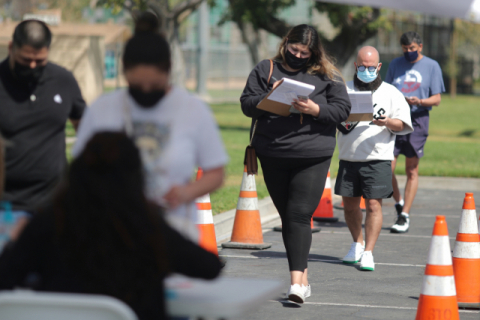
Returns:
(341,291)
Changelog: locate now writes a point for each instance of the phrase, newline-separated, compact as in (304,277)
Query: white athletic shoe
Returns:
(296,293)
(367,264)
(355,253)
(308,291)
(401,225)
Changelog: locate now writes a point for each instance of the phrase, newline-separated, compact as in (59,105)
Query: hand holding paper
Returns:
(280,99)
(362,106)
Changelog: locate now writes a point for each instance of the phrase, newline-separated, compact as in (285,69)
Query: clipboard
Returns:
(362,105)
(286,91)
(275,107)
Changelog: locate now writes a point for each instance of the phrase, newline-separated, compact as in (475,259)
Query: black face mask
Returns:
(26,74)
(295,62)
(146,99)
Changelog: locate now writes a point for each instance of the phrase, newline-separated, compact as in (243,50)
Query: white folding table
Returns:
(217,299)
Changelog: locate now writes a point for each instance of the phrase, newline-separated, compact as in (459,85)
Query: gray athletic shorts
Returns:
(412,144)
(372,179)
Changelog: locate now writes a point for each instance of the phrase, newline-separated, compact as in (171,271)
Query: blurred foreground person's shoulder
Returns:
(187,257)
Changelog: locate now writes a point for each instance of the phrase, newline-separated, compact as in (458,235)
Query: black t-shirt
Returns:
(33,119)
(286,137)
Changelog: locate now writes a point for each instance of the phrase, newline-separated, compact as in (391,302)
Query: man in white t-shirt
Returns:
(366,152)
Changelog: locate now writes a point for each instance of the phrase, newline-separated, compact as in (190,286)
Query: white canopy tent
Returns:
(465,9)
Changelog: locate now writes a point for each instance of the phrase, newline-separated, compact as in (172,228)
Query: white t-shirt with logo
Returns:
(421,79)
(174,138)
(367,141)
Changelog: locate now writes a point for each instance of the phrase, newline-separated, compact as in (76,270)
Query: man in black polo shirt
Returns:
(36,99)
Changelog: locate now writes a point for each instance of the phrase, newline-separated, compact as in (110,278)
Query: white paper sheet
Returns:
(290,89)
(361,102)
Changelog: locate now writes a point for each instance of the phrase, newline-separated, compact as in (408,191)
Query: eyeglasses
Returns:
(371,69)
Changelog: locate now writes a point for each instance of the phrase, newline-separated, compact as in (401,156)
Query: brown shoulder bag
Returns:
(250,156)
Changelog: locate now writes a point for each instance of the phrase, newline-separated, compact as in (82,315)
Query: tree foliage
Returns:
(171,12)
(355,24)
(72,10)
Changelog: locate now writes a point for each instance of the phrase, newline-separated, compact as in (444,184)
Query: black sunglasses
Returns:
(362,68)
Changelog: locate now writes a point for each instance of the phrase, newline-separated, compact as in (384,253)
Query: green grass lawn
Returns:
(452,149)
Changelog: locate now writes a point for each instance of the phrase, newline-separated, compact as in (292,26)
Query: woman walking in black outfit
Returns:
(295,151)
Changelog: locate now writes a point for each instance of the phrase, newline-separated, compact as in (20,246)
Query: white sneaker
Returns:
(296,293)
(367,264)
(308,291)
(401,225)
(355,253)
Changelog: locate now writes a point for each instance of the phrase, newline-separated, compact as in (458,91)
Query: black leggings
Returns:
(296,187)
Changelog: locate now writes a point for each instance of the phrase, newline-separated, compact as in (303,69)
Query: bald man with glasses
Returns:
(366,153)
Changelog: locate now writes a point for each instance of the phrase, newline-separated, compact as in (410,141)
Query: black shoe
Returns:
(401,225)
(399,208)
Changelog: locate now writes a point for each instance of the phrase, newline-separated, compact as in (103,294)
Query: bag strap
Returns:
(268,81)
(271,72)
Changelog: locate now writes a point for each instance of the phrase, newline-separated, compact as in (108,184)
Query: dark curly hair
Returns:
(112,235)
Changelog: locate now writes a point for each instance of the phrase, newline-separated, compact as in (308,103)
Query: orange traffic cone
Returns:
(324,210)
(466,257)
(312,227)
(206,228)
(362,205)
(247,228)
(438,296)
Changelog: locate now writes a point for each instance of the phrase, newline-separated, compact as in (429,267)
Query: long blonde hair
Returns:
(319,62)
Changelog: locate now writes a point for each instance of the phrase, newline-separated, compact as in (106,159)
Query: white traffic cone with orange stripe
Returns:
(312,227)
(466,257)
(324,211)
(247,227)
(206,228)
(438,299)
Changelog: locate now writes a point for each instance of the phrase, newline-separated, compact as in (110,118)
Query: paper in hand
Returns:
(289,90)
(361,101)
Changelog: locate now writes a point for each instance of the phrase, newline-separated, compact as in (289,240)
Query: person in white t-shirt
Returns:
(366,153)
(174,130)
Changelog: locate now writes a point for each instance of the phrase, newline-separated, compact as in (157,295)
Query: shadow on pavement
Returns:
(339,224)
(269,254)
(289,304)
(311,257)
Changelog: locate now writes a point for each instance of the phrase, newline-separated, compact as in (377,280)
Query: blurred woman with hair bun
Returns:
(174,130)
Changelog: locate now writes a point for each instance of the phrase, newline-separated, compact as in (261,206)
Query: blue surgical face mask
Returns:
(411,56)
(367,76)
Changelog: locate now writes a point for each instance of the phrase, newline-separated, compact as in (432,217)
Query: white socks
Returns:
(401,202)
(405,214)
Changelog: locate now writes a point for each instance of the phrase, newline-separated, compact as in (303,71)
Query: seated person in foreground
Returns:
(101,236)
